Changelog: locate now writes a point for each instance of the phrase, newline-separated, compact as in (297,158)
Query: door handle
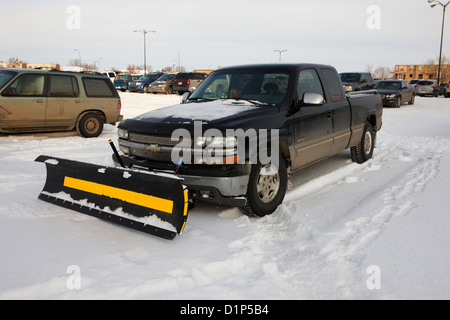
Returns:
(38,100)
(329,114)
(77,101)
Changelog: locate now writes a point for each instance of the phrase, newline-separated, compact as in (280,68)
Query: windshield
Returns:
(145,77)
(5,76)
(268,86)
(388,85)
(350,77)
(166,77)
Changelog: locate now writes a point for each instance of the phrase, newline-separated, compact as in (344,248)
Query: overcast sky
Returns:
(348,34)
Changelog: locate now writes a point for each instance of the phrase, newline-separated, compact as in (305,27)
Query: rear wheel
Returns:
(266,188)
(90,125)
(363,151)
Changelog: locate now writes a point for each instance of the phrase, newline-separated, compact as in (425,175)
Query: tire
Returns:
(265,192)
(170,90)
(145,89)
(413,99)
(363,151)
(90,125)
(398,102)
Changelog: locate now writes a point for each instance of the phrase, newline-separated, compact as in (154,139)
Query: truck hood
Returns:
(219,114)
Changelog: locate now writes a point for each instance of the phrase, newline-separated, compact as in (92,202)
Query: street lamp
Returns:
(145,53)
(434,3)
(79,54)
(280,52)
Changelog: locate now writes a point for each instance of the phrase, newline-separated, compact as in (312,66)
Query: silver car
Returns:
(427,88)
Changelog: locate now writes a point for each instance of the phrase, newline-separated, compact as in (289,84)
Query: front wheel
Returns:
(266,188)
(363,151)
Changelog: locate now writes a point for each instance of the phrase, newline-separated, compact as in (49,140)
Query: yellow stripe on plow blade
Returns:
(132,197)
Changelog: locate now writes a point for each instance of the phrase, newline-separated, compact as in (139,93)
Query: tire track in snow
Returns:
(291,257)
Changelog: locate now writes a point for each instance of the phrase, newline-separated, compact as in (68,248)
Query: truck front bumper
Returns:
(224,185)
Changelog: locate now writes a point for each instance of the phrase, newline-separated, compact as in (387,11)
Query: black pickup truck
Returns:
(238,137)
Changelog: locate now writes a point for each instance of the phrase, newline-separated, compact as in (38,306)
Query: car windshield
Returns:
(388,85)
(267,86)
(166,77)
(350,77)
(145,77)
(5,76)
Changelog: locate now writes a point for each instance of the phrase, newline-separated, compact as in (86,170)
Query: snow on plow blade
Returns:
(150,202)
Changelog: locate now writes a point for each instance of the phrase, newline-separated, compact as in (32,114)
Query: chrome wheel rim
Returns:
(268,183)
(367,143)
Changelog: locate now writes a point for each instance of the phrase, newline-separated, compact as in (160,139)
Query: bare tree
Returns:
(382,73)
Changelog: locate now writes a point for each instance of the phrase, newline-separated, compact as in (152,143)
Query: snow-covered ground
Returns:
(346,231)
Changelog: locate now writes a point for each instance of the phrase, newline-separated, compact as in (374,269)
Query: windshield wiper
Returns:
(252,101)
(200,98)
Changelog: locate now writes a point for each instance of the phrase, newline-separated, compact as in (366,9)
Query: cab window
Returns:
(308,81)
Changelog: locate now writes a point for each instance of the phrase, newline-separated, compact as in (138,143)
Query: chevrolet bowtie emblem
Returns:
(153,148)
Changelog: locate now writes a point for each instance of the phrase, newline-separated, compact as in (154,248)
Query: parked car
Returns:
(426,88)
(122,80)
(413,84)
(163,85)
(357,81)
(444,89)
(110,74)
(38,100)
(395,92)
(141,84)
(187,81)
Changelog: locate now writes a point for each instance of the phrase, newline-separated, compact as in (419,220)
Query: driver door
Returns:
(24,103)
(313,125)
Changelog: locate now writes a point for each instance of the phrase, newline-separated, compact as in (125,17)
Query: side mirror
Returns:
(312,99)
(185,96)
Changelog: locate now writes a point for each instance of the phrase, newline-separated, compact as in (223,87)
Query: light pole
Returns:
(79,54)
(145,53)
(434,3)
(280,52)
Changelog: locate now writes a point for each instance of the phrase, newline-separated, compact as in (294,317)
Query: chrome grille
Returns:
(159,140)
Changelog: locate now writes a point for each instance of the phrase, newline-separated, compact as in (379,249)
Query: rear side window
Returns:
(333,84)
(97,87)
(63,86)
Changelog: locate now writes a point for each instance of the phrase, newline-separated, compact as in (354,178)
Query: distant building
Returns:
(423,71)
(26,65)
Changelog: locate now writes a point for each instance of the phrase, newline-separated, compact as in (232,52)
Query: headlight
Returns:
(217,142)
(122,134)
(390,96)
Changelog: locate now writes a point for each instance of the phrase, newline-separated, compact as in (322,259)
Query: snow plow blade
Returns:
(150,202)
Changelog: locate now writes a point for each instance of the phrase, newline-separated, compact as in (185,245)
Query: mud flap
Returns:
(150,202)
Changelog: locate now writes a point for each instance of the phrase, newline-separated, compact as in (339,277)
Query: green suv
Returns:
(38,100)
